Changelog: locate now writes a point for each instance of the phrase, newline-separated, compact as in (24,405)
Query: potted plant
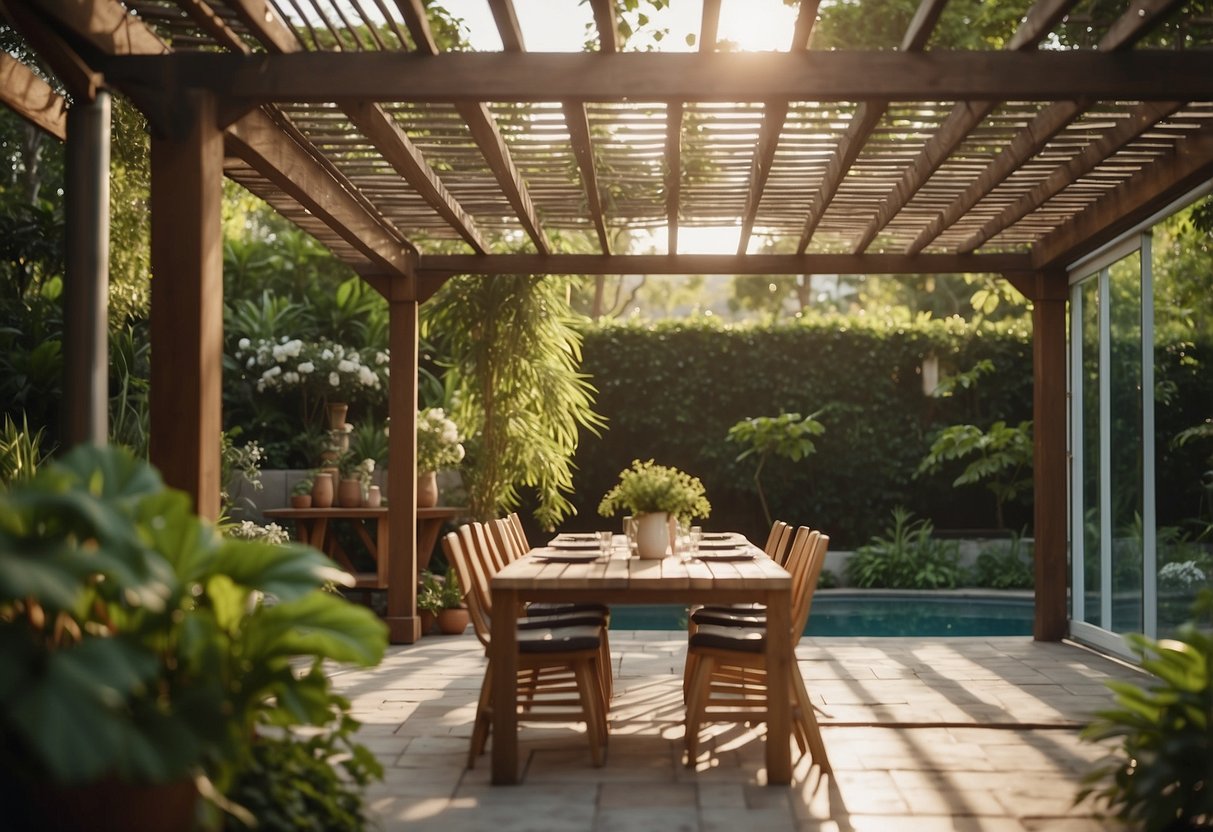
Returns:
(653,494)
(301,494)
(355,476)
(136,655)
(438,446)
(429,600)
(454,617)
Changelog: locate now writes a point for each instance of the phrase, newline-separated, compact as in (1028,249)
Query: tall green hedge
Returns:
(671,391)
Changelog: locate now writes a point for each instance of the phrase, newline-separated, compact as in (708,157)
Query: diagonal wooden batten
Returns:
(210,22)
(1129,27)
(1137,122)
(774,115)
(673,173)
(709,25)
(579,134)
(485,132)
(607,23)
(867,115)
(32,98)
(964,117)
(508,27)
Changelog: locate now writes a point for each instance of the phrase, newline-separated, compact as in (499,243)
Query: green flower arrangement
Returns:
(647,487)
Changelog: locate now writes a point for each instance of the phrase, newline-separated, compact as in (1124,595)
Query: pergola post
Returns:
(1050,463)
(187,300)
(404,627)
(86,278)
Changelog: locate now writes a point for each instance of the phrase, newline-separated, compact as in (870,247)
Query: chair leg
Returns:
(590,690)
(808,724)
(482,722)
(696,704)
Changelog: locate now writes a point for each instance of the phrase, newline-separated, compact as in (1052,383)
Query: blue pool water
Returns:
(850,613)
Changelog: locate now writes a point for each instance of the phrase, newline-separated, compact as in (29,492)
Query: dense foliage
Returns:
(906,556)
(646,487)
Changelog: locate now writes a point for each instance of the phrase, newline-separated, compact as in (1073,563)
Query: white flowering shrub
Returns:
(1181,575)
(323,368)
(438,442)
(248,530)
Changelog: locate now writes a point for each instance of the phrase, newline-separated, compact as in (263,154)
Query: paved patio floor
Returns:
(923,734)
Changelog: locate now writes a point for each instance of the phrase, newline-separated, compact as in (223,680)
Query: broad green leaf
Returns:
(319,624)
(285,572)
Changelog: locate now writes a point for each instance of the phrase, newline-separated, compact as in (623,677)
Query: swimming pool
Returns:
(878,613)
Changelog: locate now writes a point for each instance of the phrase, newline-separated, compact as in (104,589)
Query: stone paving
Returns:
(923,735)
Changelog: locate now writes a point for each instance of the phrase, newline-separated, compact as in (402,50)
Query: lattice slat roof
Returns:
(442,166)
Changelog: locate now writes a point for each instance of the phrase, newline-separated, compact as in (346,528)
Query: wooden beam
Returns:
(79,79)
(1045,125)
(965,115)
(673,173)
(1127,129)
(709,26)
(1048,75)
(607,23)
(774,115)
(864,120)
(507,25)
(484,130)
(259,141)
(579,135)
(209,21)
(263,21)
(1049,459)
(187,305)
(30,97)
(723,264)
(1154,188)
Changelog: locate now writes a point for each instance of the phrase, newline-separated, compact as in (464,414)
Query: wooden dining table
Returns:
(620,579)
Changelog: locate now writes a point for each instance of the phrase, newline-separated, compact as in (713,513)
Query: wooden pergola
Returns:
(346,117)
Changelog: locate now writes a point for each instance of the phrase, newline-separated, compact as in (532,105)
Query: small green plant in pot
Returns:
(653,494)
(441,597)
(1162,779)
(135,650)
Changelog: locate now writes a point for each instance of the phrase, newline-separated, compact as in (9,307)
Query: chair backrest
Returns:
(778,542)
(816,561)
(471,577)
(520,540)
(505,541)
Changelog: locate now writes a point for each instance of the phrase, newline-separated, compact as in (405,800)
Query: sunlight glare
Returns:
(720,239)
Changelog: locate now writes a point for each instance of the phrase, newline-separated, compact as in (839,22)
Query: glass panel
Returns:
(1090,449)
(1183,323)
(1125,443)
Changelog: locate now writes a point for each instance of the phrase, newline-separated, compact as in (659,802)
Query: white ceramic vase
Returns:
(653,534)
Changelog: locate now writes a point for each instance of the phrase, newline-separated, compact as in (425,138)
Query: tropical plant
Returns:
(132,643)
(785,435)
(1003,459)
(515,352)
(908,557)
(20,451)
(1008,566)
(1160,780)
(648,487)
(370,441)
(439,592)
(438,442)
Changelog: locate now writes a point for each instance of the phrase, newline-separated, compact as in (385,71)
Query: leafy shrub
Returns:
(1162,781)
(290,784)
(1008,567)
(908,557)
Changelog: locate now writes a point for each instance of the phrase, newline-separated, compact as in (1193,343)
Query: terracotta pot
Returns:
(453,621)
(301,501)
(349,493)
(374,497)
(111,805)
(427,489)
(428,619)
(322,490)
(337,412)
(652,534)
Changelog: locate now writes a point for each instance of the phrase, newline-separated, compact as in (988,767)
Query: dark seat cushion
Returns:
(726,617)
(741,639)
(568,619)
(559,639)
(538,608)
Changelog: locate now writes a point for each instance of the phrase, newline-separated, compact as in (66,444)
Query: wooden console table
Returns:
(312,526)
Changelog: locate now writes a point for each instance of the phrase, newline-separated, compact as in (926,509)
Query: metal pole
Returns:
(86,282)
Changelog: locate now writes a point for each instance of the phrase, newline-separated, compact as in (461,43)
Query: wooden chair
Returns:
(728,663)
(559,677)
